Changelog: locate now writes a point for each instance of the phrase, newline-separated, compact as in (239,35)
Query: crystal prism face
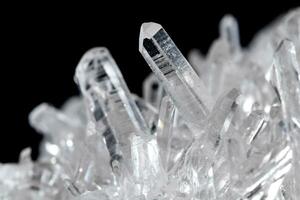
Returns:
(226,126)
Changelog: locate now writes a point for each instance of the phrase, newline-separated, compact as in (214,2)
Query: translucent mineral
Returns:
(225,125)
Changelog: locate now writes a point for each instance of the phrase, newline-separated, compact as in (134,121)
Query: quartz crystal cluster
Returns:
(221,126)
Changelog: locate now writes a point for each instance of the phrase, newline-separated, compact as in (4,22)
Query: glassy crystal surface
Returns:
(226,126)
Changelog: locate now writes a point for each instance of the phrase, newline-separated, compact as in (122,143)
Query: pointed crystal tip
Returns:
(148,30)
(286,45)
(95,52)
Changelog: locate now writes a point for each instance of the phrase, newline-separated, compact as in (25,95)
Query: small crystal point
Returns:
(49,121)
(229,31)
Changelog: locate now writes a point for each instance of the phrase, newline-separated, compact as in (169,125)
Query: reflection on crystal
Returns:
(226,128)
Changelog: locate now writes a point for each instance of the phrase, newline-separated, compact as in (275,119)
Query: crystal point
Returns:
(229,31)
(173,70)
(147,31)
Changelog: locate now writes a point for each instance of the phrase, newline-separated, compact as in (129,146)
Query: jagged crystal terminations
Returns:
(221,126)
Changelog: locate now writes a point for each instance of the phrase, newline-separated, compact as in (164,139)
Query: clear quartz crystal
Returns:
(174,72)
(133,150)
(226,126)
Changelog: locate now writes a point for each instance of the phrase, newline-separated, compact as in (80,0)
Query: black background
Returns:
(42,44)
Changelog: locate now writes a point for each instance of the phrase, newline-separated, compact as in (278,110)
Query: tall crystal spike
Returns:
(172,69)
(110,102)
(103,71)
(103,86)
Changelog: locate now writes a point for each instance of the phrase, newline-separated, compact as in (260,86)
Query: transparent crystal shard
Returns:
(290,28)
(65,145)
(229,31)
(165,129)
(219,69)
(227,66)
(285,78)
(219,124)
(100,69)
(261,49)
(149,113)
(95,74)
(48,120)
(219,60)
(263,158)
(173,135)
(135,157)
(265,179)
(13,177)
(252,125)
(75,109)
(292,23)
(171,68)
(221,116)
(205,156)
(27,180)
(266,184)
(55,125)
(153,91)
(192,175)
(197,172)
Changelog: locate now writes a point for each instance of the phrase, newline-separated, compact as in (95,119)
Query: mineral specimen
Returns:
(226,126)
